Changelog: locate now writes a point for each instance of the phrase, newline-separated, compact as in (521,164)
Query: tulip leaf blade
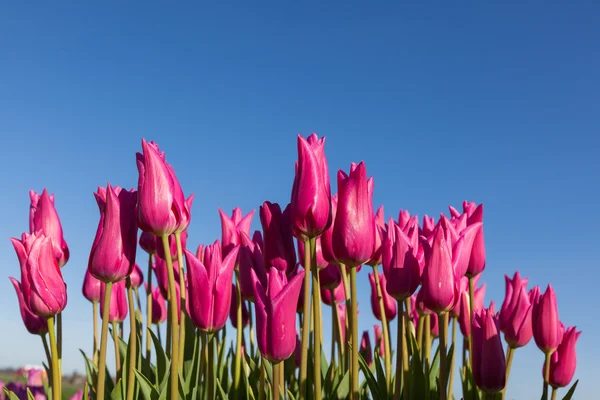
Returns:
(369,378)
(11,395)
(30,395)
(118,393)
(571,391)
(381,378)
(147,389)
(221,391)
(162,362)
(342,390)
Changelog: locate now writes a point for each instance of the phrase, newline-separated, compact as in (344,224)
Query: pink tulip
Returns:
(137,276)
(547,328)
(338,295)
(210,287)
(321,262)
(564,359)
(34,324)
(380,232)
(428,226)
(159,307)
(161,206)
(489,364)
(250,259)
(91,287)
(43,217)
(233,310)
(389,304)
(404,218)
(43,287)
(275,316)
(162,274)
(113,252)
(118,302)
(232,228)
(515,314)
(420,304)
(278,250)
(327,236)
(149,242)
(311,193)
(465,307)
(379,340)
(354,227)
(330,277)
(365,348)
(472,215)
(400,263)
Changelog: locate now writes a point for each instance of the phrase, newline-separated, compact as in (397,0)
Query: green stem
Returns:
(103,341)
(276,380)
(338,334)
(451,378)
(174,323)
(132,343)
(420,330)
(182,293)
(405,355)
(554,391)
(261,391)
(355,394)
(427,349)
(251,329)
(471,309)
(211,367)
(95,345)
(138,301)
(48,354)
(386,341)
(305,322)
(149,308)
(56,393)
(489,395)
(546,374)
(443,318)
(115,337)
(509,357)
(169,329)
(59,339)
(158,334)
(400,357)
(334,340)
(408,325)
(204,358)
(239,338)
(316,299)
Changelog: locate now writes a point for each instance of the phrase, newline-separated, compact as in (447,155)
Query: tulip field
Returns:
(272,284)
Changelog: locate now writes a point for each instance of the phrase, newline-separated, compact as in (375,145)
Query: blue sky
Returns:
(495,103)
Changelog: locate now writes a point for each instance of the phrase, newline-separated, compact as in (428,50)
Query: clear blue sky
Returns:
(496,103)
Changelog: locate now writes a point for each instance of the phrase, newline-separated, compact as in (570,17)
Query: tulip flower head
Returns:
(365,348)
(92,287)
(159,307)
(379,341)
(380,232)
(118,302)
(250,259)
(489,363)
(137,276)
(311,193)
(389,304)
(43,217)
(149,243)
(338,295)
(400,263)
(564,360)
(232,228)
(515,314)
(278,250)
(34,324)
(547,328)
(330,276)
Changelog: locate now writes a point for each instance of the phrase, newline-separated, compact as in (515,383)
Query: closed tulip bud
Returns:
(118,302)
(321,262)
(428,226)
(92,287)
(149,243)
(338,295)
(547,328)
(137,276)
(342,314)
(379,341)
(477,259)
(354,227)
(43,287)
(464,318)
(404,218)
(161,206)
(113,252)
(250,259)
(159,307)
(275,316)
(365,348)
(400,263)
(258,239)
(162,274)
(564,359)
(389,304)
(232,228)
(489,364)
(380,233)
(311,193)
(34,324)
(233,310)
(420,304)
(515,314)
(43,217)
(326,236)
(210,287)
(278,250)
(330,277)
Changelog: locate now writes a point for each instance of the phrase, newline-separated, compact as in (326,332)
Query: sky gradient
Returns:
(494,103)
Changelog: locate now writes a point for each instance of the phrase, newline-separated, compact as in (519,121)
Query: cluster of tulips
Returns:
(275,288)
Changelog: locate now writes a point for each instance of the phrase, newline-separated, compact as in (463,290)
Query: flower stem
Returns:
(386,335)
(203,358)
(546,374)
(337,326)
(95,345)
(451,378)
(316,301)
(420,329)
(427,349)
(509,357)
(240,329)
(401,357)
(554,391)
(48,354)
(251,329)
(443,318)
(174,323)
(471,309)
(59,337)
(149,308)
(182,293)
(56,392)
(117,353)
(276,380)
(132,342)
(354,311)
(305,323)
(408,326)
(261,391)
(210,377)
(103,340)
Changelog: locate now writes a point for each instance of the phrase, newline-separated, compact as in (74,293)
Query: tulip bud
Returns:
(159,307)
(149,243)
(327,236)
(92,287)
(564,359)
(43,217)
(275,316)
(464,317)
(113,252)
(250,259)
(330,277)
(489,364)
(365,348)
(379,341)
(232,228)
(233,310)
(162,274)
(43,287)
(321,262)
(161,206)
(210,287)
(278,250)
(136,277)
(353,235)
(338,295)
(400,263)
(428,226)
(380,232)
(389,304)
(547,328)
(34,324)
(515,314)
(311,193)
(118,302)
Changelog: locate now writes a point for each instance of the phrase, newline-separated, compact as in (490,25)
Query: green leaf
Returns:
(147,390)
(417,387)
(343,388)
(381,378)
(434,370)
(30,395)
(290,395)
(571,391)
(118,392)
(10,394)
(86,391)
(162,363)
(221,391)
(370,378)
